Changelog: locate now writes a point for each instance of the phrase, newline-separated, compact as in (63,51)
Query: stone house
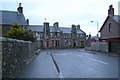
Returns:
(59,37)
(8,18)
(110,31)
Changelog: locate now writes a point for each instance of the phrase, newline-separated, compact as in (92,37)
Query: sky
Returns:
(66,12)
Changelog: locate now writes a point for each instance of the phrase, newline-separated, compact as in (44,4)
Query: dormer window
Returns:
(41,34)
(110,27)
(57,35)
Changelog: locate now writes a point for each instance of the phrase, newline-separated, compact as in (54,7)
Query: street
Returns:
(71,63)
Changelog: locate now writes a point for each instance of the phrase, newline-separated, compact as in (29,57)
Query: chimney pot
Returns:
(111,6)
(20,4)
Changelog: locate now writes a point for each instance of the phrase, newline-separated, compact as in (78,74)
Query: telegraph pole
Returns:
(45,34)
(97,48)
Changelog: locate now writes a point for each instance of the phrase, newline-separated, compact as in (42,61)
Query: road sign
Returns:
(38,37)
(47,40)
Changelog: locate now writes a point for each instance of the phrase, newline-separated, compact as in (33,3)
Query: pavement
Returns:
(41,67)
(105,53)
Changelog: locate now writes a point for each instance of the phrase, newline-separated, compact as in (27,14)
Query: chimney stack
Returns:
(46,29)
(111,11)
(56,24)
(46,24)
(78,27)
(73,28)
(20,9)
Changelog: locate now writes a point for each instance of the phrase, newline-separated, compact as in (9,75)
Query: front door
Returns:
(47,44)
(74,44)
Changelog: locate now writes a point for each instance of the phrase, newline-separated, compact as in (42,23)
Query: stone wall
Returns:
(114,46)
(101,46)
(16,54)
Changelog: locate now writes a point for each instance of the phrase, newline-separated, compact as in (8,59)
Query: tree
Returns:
(17,33)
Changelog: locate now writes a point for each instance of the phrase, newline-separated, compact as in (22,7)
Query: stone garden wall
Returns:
(16,54)
(101,46)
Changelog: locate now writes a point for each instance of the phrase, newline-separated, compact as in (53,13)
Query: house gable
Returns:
(110,28)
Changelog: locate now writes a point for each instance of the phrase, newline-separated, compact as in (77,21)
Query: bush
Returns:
(28,36)
(17,33)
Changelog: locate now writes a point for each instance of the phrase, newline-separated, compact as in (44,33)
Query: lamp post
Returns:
(97,49)
(45,36)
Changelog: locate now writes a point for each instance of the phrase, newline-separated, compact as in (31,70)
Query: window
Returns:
(78,43)
(57,34)
(52,42)
(78,36)
(82,43)
(66,36)
(57,42)
(41,43)
(70,36)
(81,35)
(69,43)
(34,34)
(66,43)
(41,34)
(51,34)
(110,27)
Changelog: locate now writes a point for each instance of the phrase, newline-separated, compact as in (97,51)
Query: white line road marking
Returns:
(61,54)
(80,55)
(98,61)
(60,75)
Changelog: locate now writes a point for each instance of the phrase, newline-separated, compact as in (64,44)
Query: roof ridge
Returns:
(36,25)
(116,15)
(8,11)
(64,27)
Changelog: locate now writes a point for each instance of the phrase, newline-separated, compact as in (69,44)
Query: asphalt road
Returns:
(71,63)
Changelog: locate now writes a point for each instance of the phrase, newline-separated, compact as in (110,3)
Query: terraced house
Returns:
(59,37)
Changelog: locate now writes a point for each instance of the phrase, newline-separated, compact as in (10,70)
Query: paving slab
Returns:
(41,67)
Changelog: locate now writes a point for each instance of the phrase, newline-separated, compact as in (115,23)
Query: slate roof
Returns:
(117,18)
(65,30)
(10,17)
(54,29)
(39,28)
(80,31)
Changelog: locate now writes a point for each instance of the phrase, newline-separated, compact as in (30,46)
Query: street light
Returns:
(45,33)
(97,49)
